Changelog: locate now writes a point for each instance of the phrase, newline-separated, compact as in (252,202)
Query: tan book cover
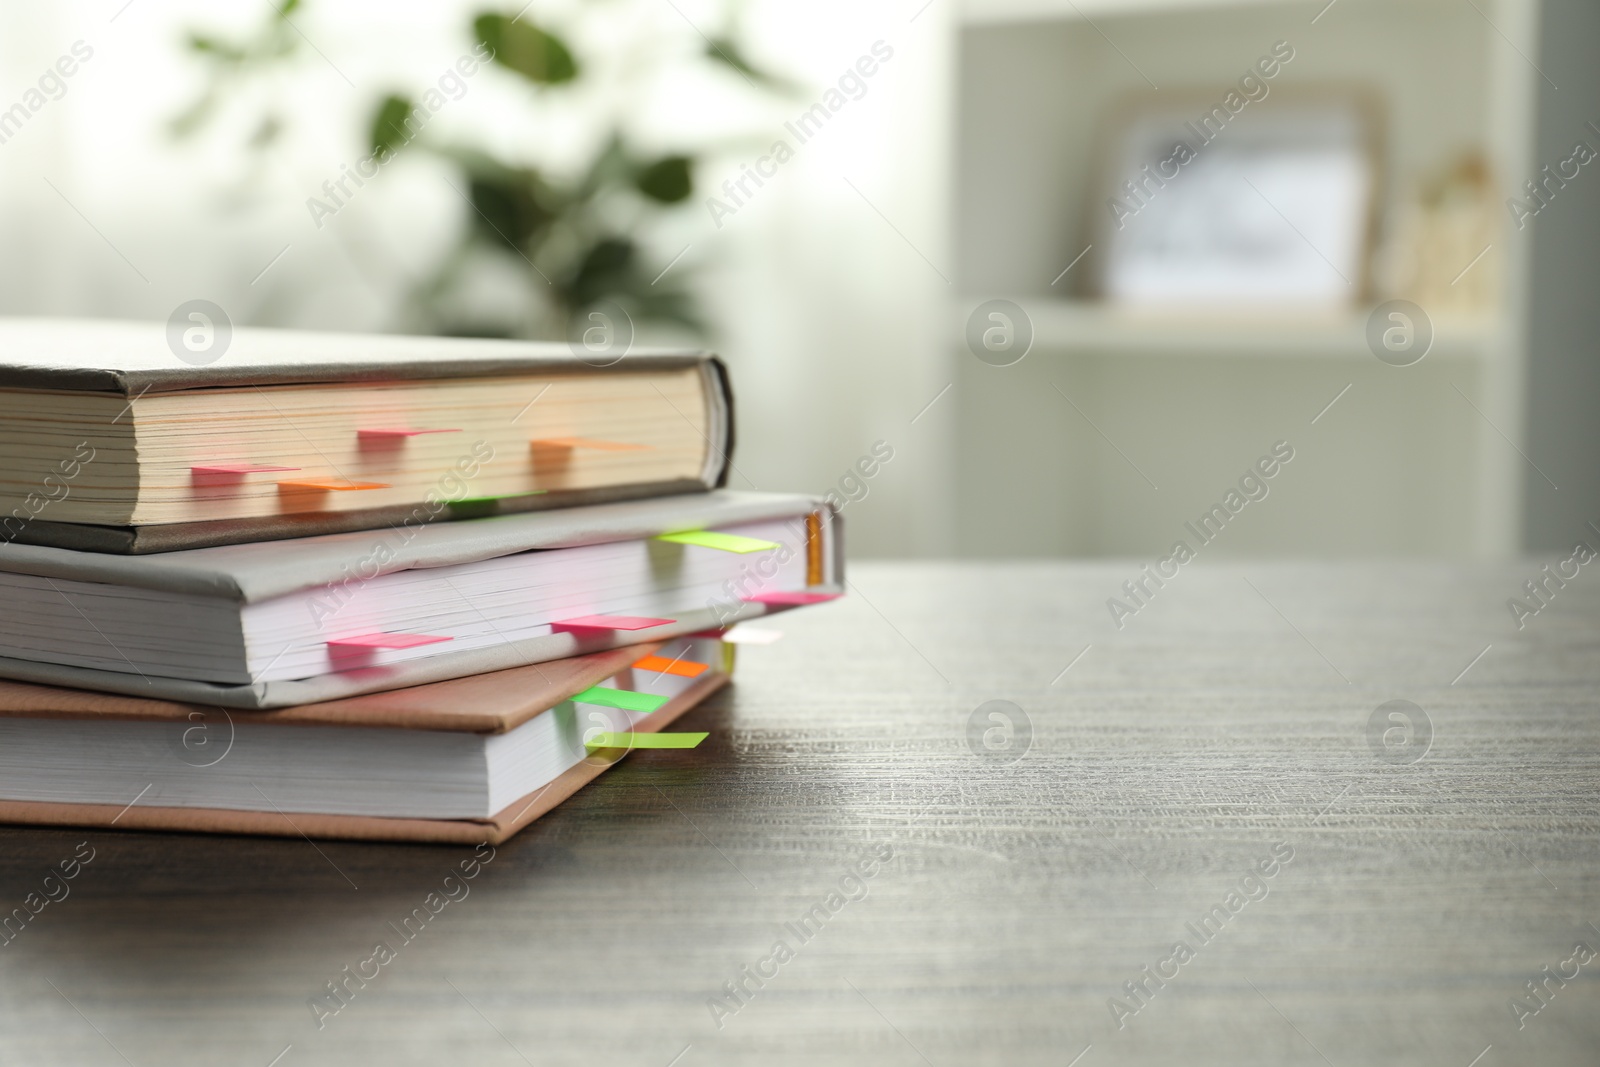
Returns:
(483,704)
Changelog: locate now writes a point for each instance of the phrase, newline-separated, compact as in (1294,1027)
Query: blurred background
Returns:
(1378,243)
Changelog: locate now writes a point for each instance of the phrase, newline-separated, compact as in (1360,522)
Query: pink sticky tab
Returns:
(782,598)
(375,641)
(389,431)
(609,622)
(237,468)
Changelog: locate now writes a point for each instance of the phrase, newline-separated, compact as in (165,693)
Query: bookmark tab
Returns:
(625,699)
(724,542)
(662,665)
(567,444)
(325,485)
(391,432)
(608,622)
(790,599)
(237,470)
(477,507)
(367,642)
(619,740)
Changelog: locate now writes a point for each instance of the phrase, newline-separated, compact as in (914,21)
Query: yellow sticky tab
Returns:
(724,542)
(620,740)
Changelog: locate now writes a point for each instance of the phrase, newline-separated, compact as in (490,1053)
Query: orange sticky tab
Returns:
(315,485)
(662,665)
(569,443)
(390,431)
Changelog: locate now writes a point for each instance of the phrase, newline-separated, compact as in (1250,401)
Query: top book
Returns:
(125,437)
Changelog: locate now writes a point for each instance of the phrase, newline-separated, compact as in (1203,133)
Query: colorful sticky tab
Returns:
(569,443)
(790,599)
(608,622)
(552,453)
(237,469)
(389,431)
(324,485)
(620,740)
(724,542)
(662,665)
(377,641)
(625,699)
(477,507)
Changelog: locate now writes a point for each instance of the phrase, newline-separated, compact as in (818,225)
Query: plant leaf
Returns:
(611,270)
(723,50)
(267,131)
(508,211)
(194,116)
(389,123)
(605,270)
(541,57)
(215,46)
(667,180)
(610,167)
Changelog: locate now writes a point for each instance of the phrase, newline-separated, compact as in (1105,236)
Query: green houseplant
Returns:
(574,239)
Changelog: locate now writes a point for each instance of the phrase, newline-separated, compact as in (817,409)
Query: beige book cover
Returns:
(491,703)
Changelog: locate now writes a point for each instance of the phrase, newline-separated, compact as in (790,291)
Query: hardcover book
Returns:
(281,623)
(469,760)
(110,442)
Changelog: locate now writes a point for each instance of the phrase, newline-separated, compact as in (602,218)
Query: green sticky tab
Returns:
(614,740)
(724,542)
(477,507)
(474,509)
(625,699)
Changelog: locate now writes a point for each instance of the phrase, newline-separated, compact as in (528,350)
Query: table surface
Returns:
(1128,797)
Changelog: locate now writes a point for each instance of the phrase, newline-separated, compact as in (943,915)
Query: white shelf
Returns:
(1083,327)
(1039,83)
(1003,12)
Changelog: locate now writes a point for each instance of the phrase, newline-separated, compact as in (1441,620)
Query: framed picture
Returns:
(1214,201)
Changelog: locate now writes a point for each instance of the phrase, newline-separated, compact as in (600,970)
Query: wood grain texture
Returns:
(1228,717)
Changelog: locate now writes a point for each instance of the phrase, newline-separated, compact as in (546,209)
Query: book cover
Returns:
(110,442)
(309,593)
(493,703)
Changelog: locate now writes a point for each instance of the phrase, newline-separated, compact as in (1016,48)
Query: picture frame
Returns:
(1210,201)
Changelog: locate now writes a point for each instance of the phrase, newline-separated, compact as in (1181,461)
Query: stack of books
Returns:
(365,587)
